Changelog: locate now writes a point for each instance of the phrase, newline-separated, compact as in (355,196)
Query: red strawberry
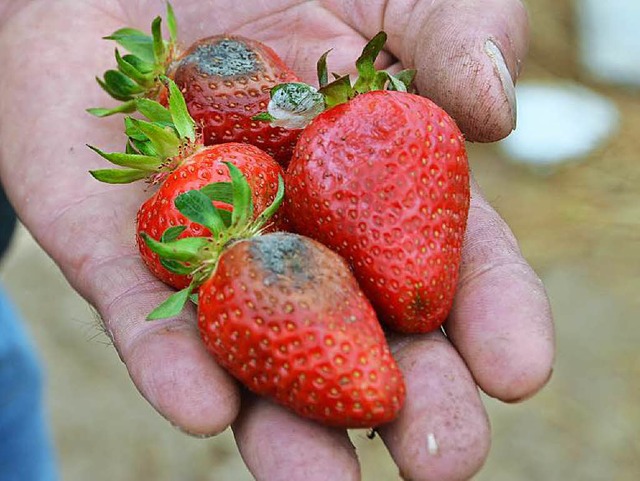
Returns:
(284,315)
(383,180)
(226,81)
(205,167)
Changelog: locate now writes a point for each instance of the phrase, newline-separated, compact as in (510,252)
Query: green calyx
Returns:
(294,105)
(138,74)
(341,90)
(155,146)
(197,257)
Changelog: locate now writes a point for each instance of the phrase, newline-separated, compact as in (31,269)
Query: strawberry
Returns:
(168,152)
(285,316)
(225,80)
(198,171)
(382,178)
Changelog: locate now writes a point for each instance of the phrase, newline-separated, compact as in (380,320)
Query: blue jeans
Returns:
(26,452)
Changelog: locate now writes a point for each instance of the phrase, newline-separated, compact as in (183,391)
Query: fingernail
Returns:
(508,86)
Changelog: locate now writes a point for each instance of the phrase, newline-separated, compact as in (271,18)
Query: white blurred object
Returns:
(558,122)
(609,39)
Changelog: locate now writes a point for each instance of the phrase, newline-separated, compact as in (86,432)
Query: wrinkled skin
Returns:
(500,337)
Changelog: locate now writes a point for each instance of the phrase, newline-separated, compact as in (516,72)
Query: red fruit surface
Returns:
(226,80)
(284,315)
(206,166)
(384,181)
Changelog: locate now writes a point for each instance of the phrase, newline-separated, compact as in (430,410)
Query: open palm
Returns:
(499,335)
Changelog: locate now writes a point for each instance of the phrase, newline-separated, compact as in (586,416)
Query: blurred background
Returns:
(567,183)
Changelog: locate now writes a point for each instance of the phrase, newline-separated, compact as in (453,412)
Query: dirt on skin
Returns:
(580,228)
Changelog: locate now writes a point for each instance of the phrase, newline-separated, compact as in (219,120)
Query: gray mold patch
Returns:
(225,58)
(282,255)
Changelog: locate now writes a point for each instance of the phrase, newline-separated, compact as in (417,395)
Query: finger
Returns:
(501,320)
(442,432)
(166,359)
(278,445)
(467,54)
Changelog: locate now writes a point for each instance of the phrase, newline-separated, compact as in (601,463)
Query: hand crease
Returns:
(59,213)
(488,267)
(87,272)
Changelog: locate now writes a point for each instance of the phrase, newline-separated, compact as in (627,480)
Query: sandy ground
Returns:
(580,228)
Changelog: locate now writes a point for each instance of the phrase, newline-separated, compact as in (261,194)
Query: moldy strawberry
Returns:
(382,178)
(225,80)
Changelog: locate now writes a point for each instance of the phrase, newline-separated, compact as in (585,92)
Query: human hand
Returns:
(499,334)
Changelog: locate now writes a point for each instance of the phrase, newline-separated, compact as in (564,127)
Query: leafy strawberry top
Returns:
(139,72)
(156,146)
(293,105)
(197,257)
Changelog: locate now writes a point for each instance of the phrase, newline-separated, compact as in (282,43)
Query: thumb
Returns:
(468,55)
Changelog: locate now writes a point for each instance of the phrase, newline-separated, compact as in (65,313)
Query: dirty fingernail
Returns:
(501,69)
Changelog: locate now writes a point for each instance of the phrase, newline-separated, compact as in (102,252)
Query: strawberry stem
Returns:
(294,105)
(156,145)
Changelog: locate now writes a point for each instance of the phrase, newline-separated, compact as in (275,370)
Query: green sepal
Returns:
(163,139)
(138,43)
(154,111)
(219,191)
(197,207)
(130,149)
(395,84)
(172,233)
(134,161)
(145,148)
(176,267)
(266,214)
(159,47)
(143,79)
(263,117)
(402,80)
(194,298)
(182,121)
(337,92)
(321,68)
(182,250)
(242,212)
(368,77)
(118,176)
(172,24)
(113,93)
(124,108)
(119,85)
(132,130)
(225,215)
(172,305)
(139,64)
